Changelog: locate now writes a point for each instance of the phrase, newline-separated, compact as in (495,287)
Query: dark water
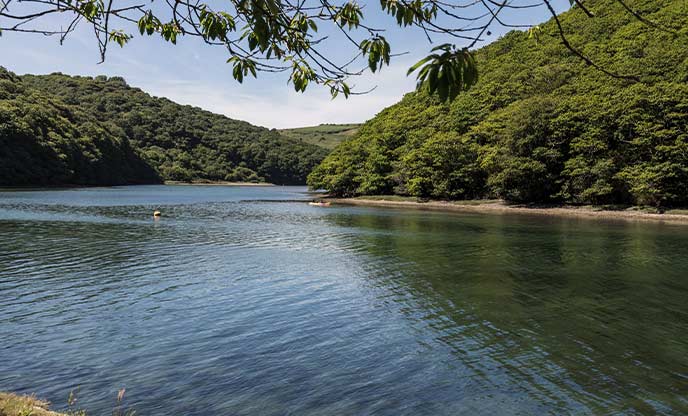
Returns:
(232,306)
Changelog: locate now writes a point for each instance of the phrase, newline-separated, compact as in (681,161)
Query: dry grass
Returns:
(15,405)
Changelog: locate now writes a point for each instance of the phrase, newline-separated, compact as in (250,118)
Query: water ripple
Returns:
(234,304)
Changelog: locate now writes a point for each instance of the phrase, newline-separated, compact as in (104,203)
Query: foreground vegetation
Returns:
(22,405)
(14,405)
(323,135)
(56,129)
(540,126)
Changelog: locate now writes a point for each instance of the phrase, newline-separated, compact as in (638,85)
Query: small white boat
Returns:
(319,204)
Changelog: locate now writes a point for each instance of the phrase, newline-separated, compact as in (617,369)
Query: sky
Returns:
(196,74)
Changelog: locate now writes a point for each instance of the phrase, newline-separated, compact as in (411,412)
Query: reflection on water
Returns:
(232,304)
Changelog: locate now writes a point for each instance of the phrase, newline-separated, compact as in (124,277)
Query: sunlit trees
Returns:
(538,127)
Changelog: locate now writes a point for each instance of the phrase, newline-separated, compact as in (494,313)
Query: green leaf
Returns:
(448,73)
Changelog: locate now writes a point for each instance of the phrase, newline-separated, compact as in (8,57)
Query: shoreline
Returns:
(169,183)
(70,186)
(217,183)
(499,207)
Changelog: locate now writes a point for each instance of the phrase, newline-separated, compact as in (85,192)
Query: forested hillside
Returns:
(58,129)
(540,125)
(44,141)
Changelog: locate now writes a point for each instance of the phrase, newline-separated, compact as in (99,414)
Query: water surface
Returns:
(240,301)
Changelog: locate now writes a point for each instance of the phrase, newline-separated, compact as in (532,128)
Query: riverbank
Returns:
(219,183)
(70,186)
(15,405)
(500,207)
(175,183)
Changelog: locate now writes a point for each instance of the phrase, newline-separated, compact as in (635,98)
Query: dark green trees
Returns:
(184,142)
(43,141)
(57,129)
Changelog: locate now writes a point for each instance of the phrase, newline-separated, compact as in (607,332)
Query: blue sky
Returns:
(196,74)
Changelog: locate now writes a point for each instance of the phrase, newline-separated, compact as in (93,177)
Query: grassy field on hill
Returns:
(324,135)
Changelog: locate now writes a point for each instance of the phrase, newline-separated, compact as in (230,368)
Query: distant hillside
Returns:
(540,125)
(58,129)
(327,136)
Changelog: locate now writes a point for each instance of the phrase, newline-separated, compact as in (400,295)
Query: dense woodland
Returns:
(540,125)
(44,141)
(56,129)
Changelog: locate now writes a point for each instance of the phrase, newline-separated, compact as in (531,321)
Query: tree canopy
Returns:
(44,141)
(537,127)
(57,129)
(284,36)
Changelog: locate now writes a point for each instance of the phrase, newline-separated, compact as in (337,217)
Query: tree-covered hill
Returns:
(59,129)
(44,141)
(540,125)
(184,142)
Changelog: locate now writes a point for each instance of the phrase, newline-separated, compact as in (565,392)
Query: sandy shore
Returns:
(498,207)
(219,183)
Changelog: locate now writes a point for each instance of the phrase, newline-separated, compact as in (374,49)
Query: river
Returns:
(244,301)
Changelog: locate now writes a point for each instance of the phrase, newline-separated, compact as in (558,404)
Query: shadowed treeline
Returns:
(57,130)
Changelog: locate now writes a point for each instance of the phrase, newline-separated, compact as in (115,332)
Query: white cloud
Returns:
(280,106)
(190,73)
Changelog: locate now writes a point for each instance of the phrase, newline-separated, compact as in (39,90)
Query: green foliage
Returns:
(57,129)
(448,73)
(443,167)
(406,13)
(273,36)
(378,51)
(44,141)
(349,15)
(540,126)
(522,150)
